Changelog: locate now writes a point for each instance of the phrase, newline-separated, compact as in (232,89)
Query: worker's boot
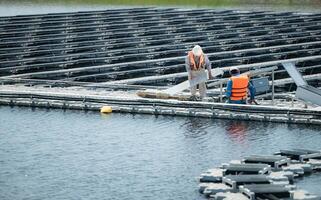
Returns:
(208,99)
(194,98)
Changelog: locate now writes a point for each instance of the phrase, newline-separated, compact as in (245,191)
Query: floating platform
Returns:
(85,60)
(299,154)
(271,181)
(236,169)
(273,161)
(235,181)
(265,191)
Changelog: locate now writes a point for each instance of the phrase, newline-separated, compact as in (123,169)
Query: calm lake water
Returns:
(56,154)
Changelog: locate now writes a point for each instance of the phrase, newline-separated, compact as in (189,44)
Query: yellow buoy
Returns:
(106,109)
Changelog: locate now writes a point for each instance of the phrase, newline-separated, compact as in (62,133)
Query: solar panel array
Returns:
(103,46)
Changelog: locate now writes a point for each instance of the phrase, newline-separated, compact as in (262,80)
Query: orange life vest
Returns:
(239,87)
(193,63)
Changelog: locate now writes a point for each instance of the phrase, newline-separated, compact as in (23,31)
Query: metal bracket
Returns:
(304,91)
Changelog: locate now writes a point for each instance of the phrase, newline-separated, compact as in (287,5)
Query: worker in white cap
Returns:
(238,87)
(196,63)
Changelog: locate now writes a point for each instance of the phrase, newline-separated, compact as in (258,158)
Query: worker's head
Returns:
(197,51)
(234,71)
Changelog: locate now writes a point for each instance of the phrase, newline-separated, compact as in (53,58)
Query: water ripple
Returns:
(55,154)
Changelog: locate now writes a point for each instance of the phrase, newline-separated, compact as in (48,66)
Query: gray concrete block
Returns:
(281,177)
(315,163)
(202,186)
(229,196)
(216,187)
(295,168)
(212,175)
(303,195)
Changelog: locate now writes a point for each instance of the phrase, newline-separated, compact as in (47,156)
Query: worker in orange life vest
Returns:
(238,87)
(196,62)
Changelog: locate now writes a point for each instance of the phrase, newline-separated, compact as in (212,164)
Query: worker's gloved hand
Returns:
(225,99)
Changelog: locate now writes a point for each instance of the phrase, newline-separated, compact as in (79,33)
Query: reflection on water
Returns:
(237,130)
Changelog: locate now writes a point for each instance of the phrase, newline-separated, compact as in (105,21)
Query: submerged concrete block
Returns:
(217,187)
(202,186)
(307,168)
(315,163)
(212,175)
(303,195)
(235,162)
(281,177)
(229,196)
(295,168)
(278,178)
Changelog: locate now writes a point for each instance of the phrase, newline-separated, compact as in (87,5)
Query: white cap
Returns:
(197,50)
(234,70)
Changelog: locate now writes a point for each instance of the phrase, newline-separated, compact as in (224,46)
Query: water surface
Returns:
(56,154)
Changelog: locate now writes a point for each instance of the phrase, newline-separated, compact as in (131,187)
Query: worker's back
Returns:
(239,87)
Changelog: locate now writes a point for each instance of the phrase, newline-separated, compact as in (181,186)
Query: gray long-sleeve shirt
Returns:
(188,67)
